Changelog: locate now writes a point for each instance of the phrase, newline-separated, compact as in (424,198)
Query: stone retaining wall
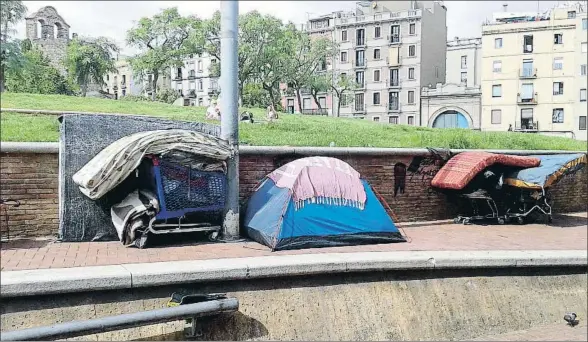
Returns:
(402,180)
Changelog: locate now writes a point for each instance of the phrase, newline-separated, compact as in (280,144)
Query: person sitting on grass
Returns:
(213,111)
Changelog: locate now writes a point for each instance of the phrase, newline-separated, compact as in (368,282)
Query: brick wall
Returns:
(32,179)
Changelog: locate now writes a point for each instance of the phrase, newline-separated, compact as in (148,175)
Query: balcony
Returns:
(192,93)
(360,43)
(528,73)
(192,75)
(394,39)
(360,64)
(365,19)
(359,108)
(178,77)
(394,106)
(322,111)
(527,126)
(123,86)
(531,101)
(213,89)
(393,83)
(393,61)
(115,88)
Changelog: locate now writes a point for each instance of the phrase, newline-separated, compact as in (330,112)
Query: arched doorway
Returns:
(451,119)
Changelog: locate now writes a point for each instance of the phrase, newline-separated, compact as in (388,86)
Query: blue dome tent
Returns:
(317,202)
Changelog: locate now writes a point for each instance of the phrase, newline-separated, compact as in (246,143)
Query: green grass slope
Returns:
(289,130)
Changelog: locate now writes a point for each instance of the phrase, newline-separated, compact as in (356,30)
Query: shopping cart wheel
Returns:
(142,241)
(501,221)
(213,236)
(457,220)
(520,220)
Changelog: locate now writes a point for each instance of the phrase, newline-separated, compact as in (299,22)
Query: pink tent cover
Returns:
(321,180)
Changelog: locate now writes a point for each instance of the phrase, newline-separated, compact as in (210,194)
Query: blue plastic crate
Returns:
(183,190)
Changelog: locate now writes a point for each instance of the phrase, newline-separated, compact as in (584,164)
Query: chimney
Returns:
(505,6)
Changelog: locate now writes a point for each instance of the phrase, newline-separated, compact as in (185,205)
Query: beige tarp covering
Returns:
(117,161)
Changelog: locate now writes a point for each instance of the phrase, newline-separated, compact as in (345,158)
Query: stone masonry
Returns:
(403,181)
(52,37)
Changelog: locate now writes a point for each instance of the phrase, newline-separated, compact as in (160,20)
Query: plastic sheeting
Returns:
(82,137)
(551,170)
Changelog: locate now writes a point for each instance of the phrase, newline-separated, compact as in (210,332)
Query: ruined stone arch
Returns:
(451,109)
(40,28)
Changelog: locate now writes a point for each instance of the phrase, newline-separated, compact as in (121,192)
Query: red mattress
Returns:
(462,168)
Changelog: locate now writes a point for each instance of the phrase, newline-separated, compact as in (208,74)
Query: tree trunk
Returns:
(154,85)
(2,79)
(297,90)
(315,97)
(339,99)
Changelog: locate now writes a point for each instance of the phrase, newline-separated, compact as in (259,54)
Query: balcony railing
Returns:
(394,106)
(192,93)
(178,77)
(322,111)
(394,39)
(529,101)
(359,107)
(360,63)
(192,75)
(115,87)
(360,86)
(346,20)
(528,73)
(527,126)
(123,86)
(393,83)
(360,42)
(212,89)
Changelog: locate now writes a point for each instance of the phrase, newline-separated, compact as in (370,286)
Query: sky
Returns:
(113,18)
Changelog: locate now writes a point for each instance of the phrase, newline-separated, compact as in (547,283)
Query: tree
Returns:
(309,59)
(11,12)
(343,84)
(319,83)
(89,60)
(256,33)
(163,40)
(36,75)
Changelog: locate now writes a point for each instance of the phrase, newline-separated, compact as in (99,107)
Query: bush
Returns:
(134,98)
(168,96)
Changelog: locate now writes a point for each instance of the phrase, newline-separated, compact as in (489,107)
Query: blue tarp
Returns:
(271,219)
(549,172)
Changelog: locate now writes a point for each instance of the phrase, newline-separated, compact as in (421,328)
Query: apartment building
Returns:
(391,49)
(458,102)
(534,72)
(194,82)
(124,82)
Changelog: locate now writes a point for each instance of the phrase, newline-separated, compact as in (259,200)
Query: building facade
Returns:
(194,81)
(534,72)
(458,102)
(49,32)
(391,49)
(122,82)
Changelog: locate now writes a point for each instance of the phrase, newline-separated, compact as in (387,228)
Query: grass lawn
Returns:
(289,130)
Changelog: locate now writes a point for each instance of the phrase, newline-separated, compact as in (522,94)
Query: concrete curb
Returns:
(79,279)
(53,147)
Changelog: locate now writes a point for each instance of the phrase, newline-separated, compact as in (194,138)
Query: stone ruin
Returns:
(48,31)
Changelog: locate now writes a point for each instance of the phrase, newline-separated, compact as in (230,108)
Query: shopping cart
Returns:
(190,200)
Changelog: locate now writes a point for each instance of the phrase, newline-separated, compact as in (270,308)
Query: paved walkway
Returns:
(568,232)
(555,332)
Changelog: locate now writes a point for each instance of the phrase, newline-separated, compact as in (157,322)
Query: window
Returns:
(394,80)
(528,70)
(582,123)
(584,47)
(344,35)
(584,24)
(558,38)
(376,119)
(213,61)
(410,120)
(497,66)
(527,119)
(527,44)
(393,103)
(496,116)
(108,77)
(411,73)
(412,29)
(464,62)
(377,32)
(306,103)
(436,71)
(558,63)
(410,96)
(359,78)
(571,14)
(393,120)
(343,56)
(376,75)
(527,92)
(200,102)
(583,69)
(558,115)
(498,43)
(557,88)
(497,90)
(582,95)
(395,32)
(376,54)
(359,104)
(199,66)
(124,92)
(412,50)
(322,102)
(464,77)
(200,84)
